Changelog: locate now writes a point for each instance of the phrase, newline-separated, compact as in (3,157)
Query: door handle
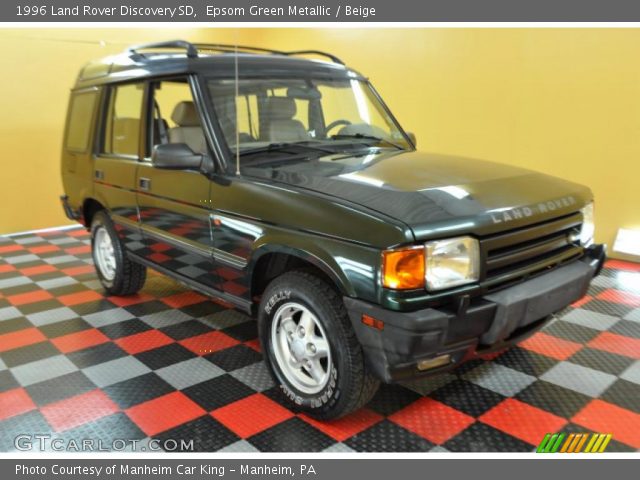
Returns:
(144,183)
(98,174)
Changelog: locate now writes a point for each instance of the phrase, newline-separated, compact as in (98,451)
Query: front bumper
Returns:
(68,211)
(489,323)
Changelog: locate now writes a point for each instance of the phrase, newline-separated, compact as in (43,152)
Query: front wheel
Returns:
(118,274)
(311,349)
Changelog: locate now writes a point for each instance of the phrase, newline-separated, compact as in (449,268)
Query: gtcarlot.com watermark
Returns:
(47,443)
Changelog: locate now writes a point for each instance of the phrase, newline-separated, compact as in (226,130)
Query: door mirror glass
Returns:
(175,156)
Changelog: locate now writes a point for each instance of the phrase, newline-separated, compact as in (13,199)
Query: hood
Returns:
(435,195)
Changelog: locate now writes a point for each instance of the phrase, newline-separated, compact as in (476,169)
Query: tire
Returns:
(118,275)
(342,382)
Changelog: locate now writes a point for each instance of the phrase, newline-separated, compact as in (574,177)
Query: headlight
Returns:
(452,262)
(588,226)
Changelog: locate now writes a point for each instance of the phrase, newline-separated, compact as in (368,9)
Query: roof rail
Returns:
(316,52)
(192,49)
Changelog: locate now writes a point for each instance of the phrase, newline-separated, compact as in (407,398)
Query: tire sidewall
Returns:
(277,295)
(102,220)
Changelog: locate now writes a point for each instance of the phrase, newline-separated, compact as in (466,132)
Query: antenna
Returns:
(236,110)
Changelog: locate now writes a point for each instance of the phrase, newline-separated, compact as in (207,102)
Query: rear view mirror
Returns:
(412,137)
(175,156)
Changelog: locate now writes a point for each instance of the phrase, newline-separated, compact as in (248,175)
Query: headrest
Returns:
(185,115)
(281,108)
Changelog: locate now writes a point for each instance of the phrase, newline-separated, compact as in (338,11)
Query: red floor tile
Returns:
(617,296)
(603,417)
(183,299)
(254,344)
(21,338)
(7,268)
(550,346)
(130,300)
(78,410)
(160,247)
(44,249)
(11,248)
(234,288)
(208,343)
(522,421)
(80,232)
(37,270)
(164,412)
(15,402)
(584,300)
(348,426)
(265,413)
(622,265)
(159,257)
(80,297)
(78,250)
(141,342)
(432,420)
(228,273)
(79,340)
(29,297)
(72,271)
(611,342)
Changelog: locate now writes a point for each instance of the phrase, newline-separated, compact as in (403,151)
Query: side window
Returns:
(123,119)
(175,117)
(81,111)
(248,116)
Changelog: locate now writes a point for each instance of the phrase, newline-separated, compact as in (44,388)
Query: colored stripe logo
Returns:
(574,443)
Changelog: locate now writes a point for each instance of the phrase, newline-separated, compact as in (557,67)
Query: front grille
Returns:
(512,255)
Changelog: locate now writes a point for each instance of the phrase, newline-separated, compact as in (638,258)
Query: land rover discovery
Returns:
(283,185)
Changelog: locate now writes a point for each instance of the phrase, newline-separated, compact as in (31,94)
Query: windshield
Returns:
(316,115)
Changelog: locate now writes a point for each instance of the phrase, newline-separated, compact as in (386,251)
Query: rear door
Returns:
(174,204)
(118,156)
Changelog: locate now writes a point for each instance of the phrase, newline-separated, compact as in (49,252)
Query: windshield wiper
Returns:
(281,147)
(362,136)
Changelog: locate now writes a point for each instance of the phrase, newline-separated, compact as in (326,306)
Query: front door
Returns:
(118,158)
(174,204)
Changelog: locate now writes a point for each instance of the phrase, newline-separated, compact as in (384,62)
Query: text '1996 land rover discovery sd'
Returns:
(284,186)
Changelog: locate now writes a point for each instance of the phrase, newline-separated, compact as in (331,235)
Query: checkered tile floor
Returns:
(171,364)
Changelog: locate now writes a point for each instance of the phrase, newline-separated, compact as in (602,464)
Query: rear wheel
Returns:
(118,275)
(311,349)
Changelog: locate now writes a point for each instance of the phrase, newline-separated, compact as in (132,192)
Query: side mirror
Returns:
(175,156)
(412,137)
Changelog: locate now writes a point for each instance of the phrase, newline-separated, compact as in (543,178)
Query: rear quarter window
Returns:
(81,110)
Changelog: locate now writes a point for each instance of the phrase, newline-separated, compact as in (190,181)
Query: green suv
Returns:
(283,185)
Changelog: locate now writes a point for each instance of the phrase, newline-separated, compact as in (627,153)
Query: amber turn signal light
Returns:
(369,321)
(403,269)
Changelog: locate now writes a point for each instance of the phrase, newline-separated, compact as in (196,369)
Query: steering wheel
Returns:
(336,123)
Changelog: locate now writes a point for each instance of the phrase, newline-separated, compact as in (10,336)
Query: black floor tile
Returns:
(138,390)
(204,434)
(386,436)
(218,392)
(293,435)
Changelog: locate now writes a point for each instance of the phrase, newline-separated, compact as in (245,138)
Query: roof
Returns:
(180,57)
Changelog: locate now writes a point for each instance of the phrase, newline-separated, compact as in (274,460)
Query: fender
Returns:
(305,250)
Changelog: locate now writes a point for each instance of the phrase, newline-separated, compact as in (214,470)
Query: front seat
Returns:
(188,129)
(281,126)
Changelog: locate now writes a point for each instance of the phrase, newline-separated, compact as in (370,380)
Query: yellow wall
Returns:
(39,66)
(561,101)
